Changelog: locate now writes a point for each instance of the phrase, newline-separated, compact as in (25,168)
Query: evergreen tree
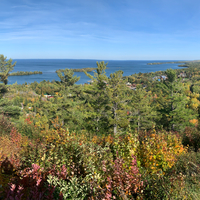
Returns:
(118,97)
(67,79)
(174,107)
(6,66)
(97,100)
(143,114)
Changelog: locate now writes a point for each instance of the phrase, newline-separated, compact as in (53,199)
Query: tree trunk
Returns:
(114,117)
(172,108)
(138,124)
(97,128)
(115,129)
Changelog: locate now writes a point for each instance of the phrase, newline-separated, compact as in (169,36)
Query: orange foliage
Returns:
(194,121)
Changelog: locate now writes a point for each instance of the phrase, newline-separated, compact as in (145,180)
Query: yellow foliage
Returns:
(159,151)
(194,103)
(194,121)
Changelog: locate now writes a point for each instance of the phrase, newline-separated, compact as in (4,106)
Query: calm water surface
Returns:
(49,66)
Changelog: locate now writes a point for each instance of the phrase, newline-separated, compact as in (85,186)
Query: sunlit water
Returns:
(49,66)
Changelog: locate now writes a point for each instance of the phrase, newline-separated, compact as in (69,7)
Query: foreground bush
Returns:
(63,165)
(191,138)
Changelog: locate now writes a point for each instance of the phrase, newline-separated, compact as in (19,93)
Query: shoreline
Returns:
(173,62)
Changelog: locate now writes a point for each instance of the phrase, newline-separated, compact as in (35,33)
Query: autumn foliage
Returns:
(104,140)
(102,167)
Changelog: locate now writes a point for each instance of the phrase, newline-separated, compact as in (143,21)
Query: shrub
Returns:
(158,151)
(191,138)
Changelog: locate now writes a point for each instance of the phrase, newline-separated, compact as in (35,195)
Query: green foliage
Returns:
(6,66)
(5,125)
(118,97)
(68,79)
(171,75)
(12,111)
(3,89)
(97,100)
(45,87)
(143,114)
(173,101)
(9,109)
(86,69)
(74,189)
(188,166)
(22,73)
(100,74)
(191,138)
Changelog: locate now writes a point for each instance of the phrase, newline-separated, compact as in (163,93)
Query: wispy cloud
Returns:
(21,6)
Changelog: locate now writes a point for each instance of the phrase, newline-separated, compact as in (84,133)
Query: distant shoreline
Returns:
(185,63)
(173,62)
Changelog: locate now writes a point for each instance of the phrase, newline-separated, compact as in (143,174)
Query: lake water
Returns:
(49,66)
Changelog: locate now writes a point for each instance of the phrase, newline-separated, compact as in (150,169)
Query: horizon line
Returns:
(105,59)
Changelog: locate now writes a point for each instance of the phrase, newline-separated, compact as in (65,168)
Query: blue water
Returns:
(49,66)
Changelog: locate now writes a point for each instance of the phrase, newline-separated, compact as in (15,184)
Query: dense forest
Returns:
(135,137)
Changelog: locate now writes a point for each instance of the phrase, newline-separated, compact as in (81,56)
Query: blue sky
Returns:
(100,29)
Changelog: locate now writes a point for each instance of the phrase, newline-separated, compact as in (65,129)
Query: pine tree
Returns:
(143,115)
(96,104)
(68,79)
(118,98)
(174,109)
(6,66)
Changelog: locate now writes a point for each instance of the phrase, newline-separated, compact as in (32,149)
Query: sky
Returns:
(100,29)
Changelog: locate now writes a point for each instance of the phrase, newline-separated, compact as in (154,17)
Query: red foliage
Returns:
(124,180)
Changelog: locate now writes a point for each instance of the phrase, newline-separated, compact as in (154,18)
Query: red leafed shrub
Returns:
(123,181)
(30,184)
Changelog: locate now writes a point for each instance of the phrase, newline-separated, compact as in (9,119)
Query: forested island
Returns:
(86,69)
(173,62)
(134,137)
(24,73)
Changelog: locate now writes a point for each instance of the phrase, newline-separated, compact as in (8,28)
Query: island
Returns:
(86,69)
(22,73)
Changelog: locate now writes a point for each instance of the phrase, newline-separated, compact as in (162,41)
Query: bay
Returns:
(49,66)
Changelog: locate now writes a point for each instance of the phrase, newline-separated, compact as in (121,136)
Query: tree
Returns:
(68,79)
(174,107)
(143,114)
(118,98)
(6,66)
(12,111)
(97,100)
(171,75)
(7,107)
(99,77)
(107,100)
